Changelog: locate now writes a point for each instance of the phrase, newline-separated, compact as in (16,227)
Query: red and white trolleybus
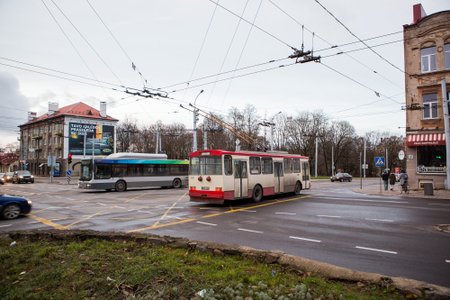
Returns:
(219,175)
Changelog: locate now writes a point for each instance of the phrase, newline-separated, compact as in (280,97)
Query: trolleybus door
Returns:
(278,177)
(240,179)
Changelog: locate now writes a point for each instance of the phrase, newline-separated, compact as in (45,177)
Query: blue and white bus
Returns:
(120,171)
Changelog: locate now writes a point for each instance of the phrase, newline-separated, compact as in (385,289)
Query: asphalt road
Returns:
(394,236)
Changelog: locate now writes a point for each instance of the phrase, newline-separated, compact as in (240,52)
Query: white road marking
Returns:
(328,216)
(7,225)
(447,261)
(379,220)
(208,208)
(439,204)
(206,223)
(102,204)
(376,250)
(249,230)
(249,211)
(285,213)
(304,239)
(131,210)
(121,207)
(366,200)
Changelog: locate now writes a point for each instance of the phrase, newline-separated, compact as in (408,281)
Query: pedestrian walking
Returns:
(385,177)
(403,182)
(392,180)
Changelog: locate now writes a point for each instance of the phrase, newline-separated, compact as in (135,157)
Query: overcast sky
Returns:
(176,41)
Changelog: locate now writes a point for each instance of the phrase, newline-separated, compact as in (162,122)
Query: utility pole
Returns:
(195,119)
(445,104)
(316,154)
(365,165)
(205,136)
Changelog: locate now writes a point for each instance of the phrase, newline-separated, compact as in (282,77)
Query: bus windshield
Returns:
(86,170)
(206,165)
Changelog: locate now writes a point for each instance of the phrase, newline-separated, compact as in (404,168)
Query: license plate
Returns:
(205,188)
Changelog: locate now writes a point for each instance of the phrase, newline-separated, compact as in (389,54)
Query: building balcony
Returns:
(59,133)
(37,136)
(431,170)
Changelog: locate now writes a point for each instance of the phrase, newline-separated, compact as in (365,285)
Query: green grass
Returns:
(97,269)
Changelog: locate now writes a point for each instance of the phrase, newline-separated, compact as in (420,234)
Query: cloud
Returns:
(13,108)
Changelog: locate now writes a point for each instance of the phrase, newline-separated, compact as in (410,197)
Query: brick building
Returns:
(427,62)
(77,129)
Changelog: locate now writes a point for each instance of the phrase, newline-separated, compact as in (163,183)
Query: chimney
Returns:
(31,116)
(52,107)
(103,109)
(418,13)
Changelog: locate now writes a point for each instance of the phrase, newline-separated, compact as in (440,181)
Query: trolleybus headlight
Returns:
(200,178)
(208,178)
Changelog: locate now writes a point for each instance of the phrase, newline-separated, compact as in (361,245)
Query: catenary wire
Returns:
(87,42)
(133,65)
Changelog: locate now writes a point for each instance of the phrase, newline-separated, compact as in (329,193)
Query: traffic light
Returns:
(69,158)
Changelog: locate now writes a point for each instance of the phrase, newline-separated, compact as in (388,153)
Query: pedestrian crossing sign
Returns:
(379,161)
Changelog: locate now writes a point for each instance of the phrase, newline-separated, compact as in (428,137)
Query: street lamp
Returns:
(195,114)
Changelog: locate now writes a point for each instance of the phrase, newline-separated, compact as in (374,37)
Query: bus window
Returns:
(267,165)
(287,165)
(255,165)
(102,171)
(177,170)
(149,170)
(135,170)
(212,165)
(228,165)
(194,168)
(86,171)
(119,170)
(296,165)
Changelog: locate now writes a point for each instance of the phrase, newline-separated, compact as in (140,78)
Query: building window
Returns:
(428,57)
(431,159)
(447,55)
(430,106)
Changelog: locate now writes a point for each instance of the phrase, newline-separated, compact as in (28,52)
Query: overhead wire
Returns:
(242,53)
(133,65)
(87,42)
(69,40)
(360,40)
(334,46)
(229,48)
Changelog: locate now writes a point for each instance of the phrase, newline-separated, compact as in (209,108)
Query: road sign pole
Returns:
(379,174)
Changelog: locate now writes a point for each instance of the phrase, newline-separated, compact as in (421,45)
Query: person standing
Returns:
(403,181)
(385,177)
(392,180)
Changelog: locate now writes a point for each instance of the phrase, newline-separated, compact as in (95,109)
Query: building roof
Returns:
(79,109)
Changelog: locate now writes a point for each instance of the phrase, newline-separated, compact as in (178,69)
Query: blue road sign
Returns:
(69,172)
(379,161)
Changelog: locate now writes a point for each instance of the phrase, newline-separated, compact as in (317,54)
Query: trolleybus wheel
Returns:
(298,188)
(257,193)
(120,186)
(177,183)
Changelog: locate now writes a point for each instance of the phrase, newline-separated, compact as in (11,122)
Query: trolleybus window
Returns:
(255,165)
(287,165)
(296,165)
(240,169)
(228,165)
(208,165)
(267,165)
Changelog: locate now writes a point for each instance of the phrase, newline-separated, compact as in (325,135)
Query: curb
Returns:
(303,265)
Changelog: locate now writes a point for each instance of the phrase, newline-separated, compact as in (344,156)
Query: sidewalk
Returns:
(55,180)
(374,189)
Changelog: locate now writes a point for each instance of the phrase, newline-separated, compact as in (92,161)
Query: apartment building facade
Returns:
(427,63)
(74,131)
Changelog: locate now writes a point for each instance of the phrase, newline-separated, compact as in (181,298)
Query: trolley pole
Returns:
(445,104)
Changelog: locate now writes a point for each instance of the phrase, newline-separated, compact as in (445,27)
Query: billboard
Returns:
(99,138)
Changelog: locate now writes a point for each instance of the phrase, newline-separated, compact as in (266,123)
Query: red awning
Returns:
(425,139)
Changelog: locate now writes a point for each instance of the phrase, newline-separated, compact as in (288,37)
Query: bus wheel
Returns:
(177,183)
(298,188)
(121,186)
(257,193)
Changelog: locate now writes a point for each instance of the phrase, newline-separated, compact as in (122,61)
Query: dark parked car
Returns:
(341,177)
(12,207)
(8,176)
(22,176)
(2,181)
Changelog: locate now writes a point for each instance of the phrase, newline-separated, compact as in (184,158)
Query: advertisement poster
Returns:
(99,138)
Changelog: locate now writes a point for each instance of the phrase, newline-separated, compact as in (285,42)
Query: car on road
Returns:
(341,177)
(11,207)
(22,176)
(2,181)
(7,177)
